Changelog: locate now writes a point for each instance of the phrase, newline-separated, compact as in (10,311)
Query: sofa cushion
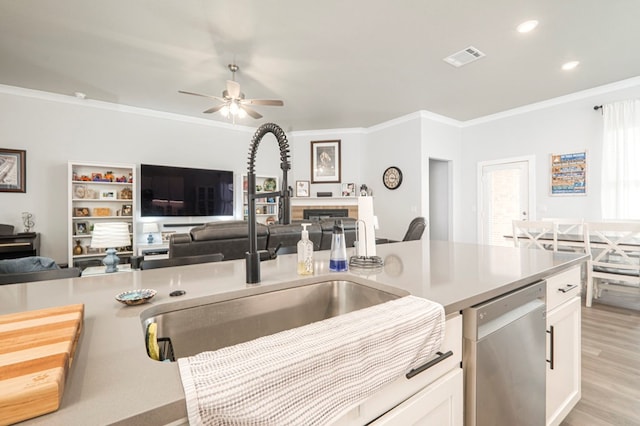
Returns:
(225,231)
(289,235)
(27,264)
(227,237)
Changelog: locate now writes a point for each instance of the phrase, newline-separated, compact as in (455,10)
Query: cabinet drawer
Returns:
(438,404)
(562,287)
(403,388)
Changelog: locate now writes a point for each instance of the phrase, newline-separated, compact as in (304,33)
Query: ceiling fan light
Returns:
(224,111)
(233,108)
(242,113)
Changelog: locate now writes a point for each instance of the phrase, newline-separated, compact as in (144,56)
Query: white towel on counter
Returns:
(310,374)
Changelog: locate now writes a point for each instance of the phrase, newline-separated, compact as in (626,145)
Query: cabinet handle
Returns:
(567,288)
(429,364)
(552,338)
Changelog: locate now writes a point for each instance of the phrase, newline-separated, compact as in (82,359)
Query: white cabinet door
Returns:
(438,404)
(563,348)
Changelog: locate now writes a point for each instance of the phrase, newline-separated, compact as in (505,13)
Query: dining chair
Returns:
(614,250)
(569,233)
(535,234)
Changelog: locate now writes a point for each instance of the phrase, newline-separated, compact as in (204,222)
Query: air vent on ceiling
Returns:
(464,56)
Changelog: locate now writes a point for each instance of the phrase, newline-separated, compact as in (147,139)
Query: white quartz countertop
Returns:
(113,381)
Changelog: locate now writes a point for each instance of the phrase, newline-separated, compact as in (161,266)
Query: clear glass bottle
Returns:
(338,258)
(305,252)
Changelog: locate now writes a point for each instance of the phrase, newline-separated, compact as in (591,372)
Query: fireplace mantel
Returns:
(299,204)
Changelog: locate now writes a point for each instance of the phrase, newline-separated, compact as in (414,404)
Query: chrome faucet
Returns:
(252,257)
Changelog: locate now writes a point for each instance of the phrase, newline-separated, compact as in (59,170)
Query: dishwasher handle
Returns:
(441,357)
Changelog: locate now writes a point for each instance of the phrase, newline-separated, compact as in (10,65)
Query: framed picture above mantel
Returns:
(325,161)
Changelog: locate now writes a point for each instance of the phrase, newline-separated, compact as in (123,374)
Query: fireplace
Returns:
(317,214)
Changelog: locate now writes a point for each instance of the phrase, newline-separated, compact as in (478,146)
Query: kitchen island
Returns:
(113,381)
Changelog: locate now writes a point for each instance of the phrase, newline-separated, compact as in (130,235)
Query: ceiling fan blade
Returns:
(233,88)
(270,102)
(252,112)
(214,109)
(198,94)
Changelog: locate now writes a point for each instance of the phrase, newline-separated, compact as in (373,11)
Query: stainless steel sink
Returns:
(216,325)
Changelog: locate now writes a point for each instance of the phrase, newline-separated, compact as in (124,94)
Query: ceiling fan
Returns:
(233,101)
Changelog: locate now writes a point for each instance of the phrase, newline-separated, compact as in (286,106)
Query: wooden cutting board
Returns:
(36,350)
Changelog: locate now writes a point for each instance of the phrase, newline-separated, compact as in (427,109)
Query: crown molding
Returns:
(109,106)
(583,94)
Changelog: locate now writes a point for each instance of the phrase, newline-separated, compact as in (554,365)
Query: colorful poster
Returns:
(569,174)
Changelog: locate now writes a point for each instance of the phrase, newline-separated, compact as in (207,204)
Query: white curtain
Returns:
(621,161)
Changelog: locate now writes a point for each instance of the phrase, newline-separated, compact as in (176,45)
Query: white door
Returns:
(505,190)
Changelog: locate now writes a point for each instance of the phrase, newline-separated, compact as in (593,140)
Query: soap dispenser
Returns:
(338,258)
(305,253)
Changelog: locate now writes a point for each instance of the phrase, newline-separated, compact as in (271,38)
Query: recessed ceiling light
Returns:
(570,65)
(527,26)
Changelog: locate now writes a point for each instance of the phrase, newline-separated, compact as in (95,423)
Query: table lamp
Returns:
(150,228)
(109,235)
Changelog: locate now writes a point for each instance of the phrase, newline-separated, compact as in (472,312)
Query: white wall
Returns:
(441,140)
(54,132)
(397,144)
(563,125)
(55,129)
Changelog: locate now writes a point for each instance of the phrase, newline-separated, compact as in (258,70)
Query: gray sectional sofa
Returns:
(231,237)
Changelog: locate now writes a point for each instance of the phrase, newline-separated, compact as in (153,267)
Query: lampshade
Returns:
(110,235)
(150,228)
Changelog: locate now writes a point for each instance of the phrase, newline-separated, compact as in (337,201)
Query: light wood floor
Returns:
(610,365)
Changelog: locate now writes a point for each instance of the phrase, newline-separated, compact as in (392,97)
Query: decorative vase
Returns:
(77,249)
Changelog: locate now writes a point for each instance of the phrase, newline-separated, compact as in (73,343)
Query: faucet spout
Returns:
(252,257)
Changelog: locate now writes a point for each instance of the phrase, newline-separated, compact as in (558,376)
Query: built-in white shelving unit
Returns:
(99,192)
(266,208)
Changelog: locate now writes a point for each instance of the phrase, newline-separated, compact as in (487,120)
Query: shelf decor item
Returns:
(77,249)
(81,228)
(107,195)
(109,235)
(13,166)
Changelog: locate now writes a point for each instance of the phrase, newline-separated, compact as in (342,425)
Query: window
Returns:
(620,160)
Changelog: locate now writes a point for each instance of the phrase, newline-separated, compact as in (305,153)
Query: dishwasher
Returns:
(504,359)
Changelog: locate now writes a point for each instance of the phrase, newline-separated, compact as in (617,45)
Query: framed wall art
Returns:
(302,188)
(325,162)
(13,170)
(81,228)
(569,173)
(348,189)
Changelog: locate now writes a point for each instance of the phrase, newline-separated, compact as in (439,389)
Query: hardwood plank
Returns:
(610,365)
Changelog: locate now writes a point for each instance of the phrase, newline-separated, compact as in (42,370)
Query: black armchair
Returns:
(416,229)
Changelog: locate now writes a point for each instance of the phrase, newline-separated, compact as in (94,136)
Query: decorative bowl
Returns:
(136,297)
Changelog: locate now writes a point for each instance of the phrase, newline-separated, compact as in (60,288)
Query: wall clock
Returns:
(392,177)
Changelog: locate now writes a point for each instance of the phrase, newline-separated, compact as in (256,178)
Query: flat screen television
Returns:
(182,191)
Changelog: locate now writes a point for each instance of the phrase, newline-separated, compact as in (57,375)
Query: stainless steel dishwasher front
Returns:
(504,359)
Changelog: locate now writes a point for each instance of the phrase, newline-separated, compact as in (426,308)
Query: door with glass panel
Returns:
(504,195)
